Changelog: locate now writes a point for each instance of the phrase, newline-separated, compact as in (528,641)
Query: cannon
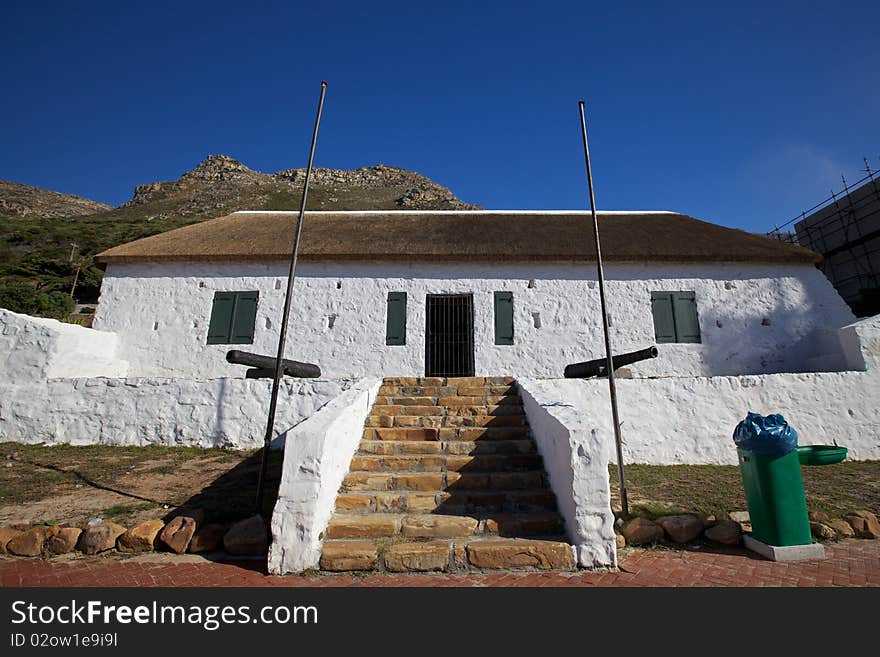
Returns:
(599,366)
(264,366)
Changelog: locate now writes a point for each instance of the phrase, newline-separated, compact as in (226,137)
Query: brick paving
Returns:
(848,563)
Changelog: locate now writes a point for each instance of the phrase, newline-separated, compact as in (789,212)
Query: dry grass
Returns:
(717,489)
(128,484)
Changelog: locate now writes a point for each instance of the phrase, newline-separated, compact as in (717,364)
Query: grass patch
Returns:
(221,482)
(656,490)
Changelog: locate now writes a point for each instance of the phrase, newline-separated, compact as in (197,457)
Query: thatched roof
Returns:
(493,236)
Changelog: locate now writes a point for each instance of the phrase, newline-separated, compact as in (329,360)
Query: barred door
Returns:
(449,335)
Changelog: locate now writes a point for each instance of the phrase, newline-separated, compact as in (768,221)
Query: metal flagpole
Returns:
(610,365)
(276,383)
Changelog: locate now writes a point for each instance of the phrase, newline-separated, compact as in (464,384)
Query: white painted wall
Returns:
(316,459)
(576,459)
(691,420)
(213,413)
(36,348)
(161,314)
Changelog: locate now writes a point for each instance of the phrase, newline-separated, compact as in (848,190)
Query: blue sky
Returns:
(743,114)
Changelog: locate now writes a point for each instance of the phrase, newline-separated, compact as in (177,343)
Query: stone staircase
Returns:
(447,477)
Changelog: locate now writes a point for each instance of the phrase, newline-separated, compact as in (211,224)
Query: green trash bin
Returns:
(775,494)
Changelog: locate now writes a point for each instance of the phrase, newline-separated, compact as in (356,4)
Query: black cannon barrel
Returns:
(289,367)
(599,366)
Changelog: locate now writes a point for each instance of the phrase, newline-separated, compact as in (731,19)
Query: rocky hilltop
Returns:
(221,184)
(37,239)
(19,200)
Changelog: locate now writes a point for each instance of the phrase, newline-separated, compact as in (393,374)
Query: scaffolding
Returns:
(845,229)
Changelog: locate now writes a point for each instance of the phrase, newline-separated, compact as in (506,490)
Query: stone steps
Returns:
(447,477)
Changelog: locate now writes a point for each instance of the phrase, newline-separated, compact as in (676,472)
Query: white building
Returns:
(468,293)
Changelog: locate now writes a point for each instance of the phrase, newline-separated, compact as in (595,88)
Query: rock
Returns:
(818,516)
(6,535)
(64,541)
(707,519)
(641,531)
(30,543)
(247,536)
(141,537)
(177,534)
(207,539)
(822,531)
(621,541)
(864,524)
(842,527)
(726,532)
(681,528)
(740,516)
(99,537)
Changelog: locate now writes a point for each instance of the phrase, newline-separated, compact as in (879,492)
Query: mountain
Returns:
(18,200)
(41,247)
(220,184)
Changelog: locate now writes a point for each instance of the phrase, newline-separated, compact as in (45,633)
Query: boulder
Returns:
(207,539)
(141,537)
(30,543)
(64,541)
(178,533)
(248,536)
(621,541)
(707,519)
(726,532)
(640,531)
(6,535)
(99,537)
(864,524)
(842,527)
(822,531)
(818,516)
(681,528)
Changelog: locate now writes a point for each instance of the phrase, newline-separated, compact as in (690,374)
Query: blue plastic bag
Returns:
(770,435)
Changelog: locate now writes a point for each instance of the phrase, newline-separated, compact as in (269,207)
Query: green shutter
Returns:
(395,327)
(504,318)
(220,326)
(244,318)
(664,318)
(687,323)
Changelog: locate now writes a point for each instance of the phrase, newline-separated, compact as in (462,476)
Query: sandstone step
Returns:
(438,526)
(475,503)
(363,526)
(442,381)
(410,433)
(517,553)
(349,555)
(465,447)
(417,557)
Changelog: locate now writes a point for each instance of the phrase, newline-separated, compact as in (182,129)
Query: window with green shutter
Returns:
(675,317)
(395,325)
(504,318)
(233,317)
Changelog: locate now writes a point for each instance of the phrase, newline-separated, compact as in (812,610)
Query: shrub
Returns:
(23,298)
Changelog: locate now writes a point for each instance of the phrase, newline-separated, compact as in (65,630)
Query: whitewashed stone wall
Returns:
(576,458)
(35,349)
(691,420)
(316,459)
(213,413)
(754,318)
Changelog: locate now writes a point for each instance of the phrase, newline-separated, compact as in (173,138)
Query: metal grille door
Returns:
(449,335)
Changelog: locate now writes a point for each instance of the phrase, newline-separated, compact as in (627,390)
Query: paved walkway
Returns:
(848,563)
